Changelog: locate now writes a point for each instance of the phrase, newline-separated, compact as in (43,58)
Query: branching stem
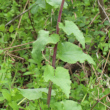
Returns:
(99,100)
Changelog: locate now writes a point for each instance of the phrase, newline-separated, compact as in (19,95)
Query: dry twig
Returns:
(99,100)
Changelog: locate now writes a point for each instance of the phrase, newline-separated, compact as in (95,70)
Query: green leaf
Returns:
(33,94)
(67,105)
(28,73)
(11,29)
(6,94)
(1,51)
(71,53)
(88,39)
(2,27)
(41,42)
(71,105)
(31,61)
(86,2)
(71,28)
(12,36)
(35,9)
(1,99)
(59,76)
(41,3)
(56,3)
(36,5)
(14,105)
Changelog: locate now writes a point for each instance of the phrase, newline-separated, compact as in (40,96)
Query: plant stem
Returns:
(21,101)
(55,51)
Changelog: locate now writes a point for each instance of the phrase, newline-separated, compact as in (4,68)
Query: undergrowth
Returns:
(54,55)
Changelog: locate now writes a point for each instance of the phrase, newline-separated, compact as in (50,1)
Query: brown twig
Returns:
(99,100)
(17,46)
(94,18)
(8,53)
(17,17)
(95,71)
(103,11)
(104,105)
(32,23)
(46,58)
(20,49)
(72,1)
(39,104)
(85,71)
(19,24)
(11,57)
(105,64)
(16,56)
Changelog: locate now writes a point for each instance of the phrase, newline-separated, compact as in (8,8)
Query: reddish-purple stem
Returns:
(57,31)
(55,51)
